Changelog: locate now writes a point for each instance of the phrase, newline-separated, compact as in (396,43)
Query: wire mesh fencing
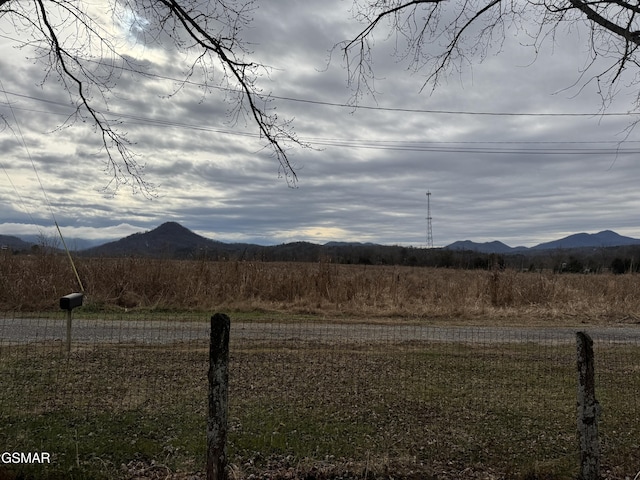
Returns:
(309,394)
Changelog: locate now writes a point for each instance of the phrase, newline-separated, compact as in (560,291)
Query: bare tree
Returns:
(79,43)
(438,37)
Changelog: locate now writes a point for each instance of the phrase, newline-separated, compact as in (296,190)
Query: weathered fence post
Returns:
(588,410)
(218,397)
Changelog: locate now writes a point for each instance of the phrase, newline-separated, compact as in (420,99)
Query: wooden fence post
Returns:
(218,397)
(588,410)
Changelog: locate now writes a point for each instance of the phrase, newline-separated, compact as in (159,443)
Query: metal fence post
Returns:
(218,397)
(588,410)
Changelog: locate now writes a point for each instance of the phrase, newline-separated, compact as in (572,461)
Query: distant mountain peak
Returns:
(487,247)
(605,238)
(170,238)
(172,229)
(171,226)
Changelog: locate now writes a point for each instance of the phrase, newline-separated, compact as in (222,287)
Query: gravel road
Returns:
(28,330)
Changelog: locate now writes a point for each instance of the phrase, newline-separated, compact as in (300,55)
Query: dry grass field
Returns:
(462,296)
(304,408)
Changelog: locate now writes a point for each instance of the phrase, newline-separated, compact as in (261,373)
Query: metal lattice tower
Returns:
(429,229)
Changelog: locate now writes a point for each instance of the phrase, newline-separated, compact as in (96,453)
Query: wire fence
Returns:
(308,394)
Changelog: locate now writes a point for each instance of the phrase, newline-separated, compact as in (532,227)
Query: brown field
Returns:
(303,408)
(324,288)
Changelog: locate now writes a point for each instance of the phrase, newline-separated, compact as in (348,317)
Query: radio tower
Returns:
(429,230)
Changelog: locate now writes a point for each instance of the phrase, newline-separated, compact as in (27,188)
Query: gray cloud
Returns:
(521,179)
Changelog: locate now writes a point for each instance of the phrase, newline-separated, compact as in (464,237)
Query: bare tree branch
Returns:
(268,125)
(61,60)
(438,43)
(595,17)
(88,61)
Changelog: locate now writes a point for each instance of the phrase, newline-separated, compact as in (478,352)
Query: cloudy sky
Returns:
(511,149)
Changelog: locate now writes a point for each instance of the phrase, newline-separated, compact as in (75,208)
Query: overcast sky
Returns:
(522,179)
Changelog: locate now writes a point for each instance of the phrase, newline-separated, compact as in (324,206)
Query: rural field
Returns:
(449,296)
(337,371)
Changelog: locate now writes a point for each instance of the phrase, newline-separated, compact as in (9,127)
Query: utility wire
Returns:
(187,81)
(35,170)
(477,147)
(17,192)
(377,107)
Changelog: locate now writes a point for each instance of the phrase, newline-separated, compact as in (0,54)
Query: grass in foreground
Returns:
(355,409)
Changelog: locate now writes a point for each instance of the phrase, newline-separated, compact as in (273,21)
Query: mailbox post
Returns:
(68,303)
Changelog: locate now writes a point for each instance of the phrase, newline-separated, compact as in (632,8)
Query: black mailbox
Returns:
(71,301)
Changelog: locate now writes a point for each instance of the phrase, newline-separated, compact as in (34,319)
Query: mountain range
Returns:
(173,240)
(14,243)
(606,238)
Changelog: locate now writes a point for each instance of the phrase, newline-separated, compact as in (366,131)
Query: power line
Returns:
(468,147)
(455,112)
(26,148)
(379,108)
(429,226)
(453,147)
(352,106)
(44,193)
